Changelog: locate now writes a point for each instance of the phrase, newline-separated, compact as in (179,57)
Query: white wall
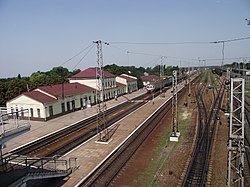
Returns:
(108,82)
(88,82)
(24,102)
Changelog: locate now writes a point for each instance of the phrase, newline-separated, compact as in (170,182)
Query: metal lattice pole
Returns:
(100,96)
(175,131)
(236,147)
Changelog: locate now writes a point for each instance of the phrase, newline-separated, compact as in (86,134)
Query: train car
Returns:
(157,85)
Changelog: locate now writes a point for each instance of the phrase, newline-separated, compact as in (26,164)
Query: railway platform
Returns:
(91,154)
(38,129)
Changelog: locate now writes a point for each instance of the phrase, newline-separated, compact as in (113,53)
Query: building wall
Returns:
(108,82)
(46,111)
(23,102)
(88,82)
(132,86)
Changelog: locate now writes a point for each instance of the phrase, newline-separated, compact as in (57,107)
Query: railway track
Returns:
(66,139)
(198,167)
(247,145)
(105,173)
(60,142)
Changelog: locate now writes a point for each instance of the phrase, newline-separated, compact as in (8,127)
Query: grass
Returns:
(162,152)
(247,91)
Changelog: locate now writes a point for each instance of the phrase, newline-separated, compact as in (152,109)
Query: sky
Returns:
(37,35)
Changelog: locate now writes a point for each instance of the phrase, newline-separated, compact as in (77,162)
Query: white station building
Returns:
(47,102)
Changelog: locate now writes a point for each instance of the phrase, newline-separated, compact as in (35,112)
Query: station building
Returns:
(47,102)
(88,78)
(129,81)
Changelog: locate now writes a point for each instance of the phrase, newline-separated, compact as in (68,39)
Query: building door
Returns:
(50,110)
(81,102)
(63,107)
(31,112)
(38,113)
(68,106)
(73,105)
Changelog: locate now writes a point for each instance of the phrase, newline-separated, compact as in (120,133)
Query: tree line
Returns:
(239,65)
(12,87)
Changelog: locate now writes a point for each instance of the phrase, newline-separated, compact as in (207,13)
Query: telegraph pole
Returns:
(102,128)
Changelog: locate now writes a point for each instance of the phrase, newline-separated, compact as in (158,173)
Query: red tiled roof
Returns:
(129,79)
(38,96)
(91,73)
(67,89)
(150,78)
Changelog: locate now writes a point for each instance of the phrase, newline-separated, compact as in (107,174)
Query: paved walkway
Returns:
(42,128)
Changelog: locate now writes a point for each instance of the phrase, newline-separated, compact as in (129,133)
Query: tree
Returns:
(19,76)
(15,87)
(3,91)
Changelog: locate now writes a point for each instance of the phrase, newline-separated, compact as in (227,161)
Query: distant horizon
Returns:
(25,76)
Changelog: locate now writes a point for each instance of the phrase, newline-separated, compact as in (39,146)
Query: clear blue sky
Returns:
(37,35)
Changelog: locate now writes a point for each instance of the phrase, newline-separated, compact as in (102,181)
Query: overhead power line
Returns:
(158,43)
(178,43)
(77,54)
(83,56)
(231,40)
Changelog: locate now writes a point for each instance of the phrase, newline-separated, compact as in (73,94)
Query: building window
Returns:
(39,113)
(31,112)
(50,110)
(63,107)
(68,106)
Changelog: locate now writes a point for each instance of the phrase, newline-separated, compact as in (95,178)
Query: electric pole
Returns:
(102,128)
(236,147)
(175,132)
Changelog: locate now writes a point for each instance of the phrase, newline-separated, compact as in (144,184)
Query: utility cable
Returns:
(158,43)
(83,56)
(77,54)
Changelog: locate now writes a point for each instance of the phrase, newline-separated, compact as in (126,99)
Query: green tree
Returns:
(15,87)
(3,90)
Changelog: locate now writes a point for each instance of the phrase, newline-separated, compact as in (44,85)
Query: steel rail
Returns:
(105,173)
(197,169)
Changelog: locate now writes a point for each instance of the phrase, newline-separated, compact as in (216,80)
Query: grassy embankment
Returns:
(162,152)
